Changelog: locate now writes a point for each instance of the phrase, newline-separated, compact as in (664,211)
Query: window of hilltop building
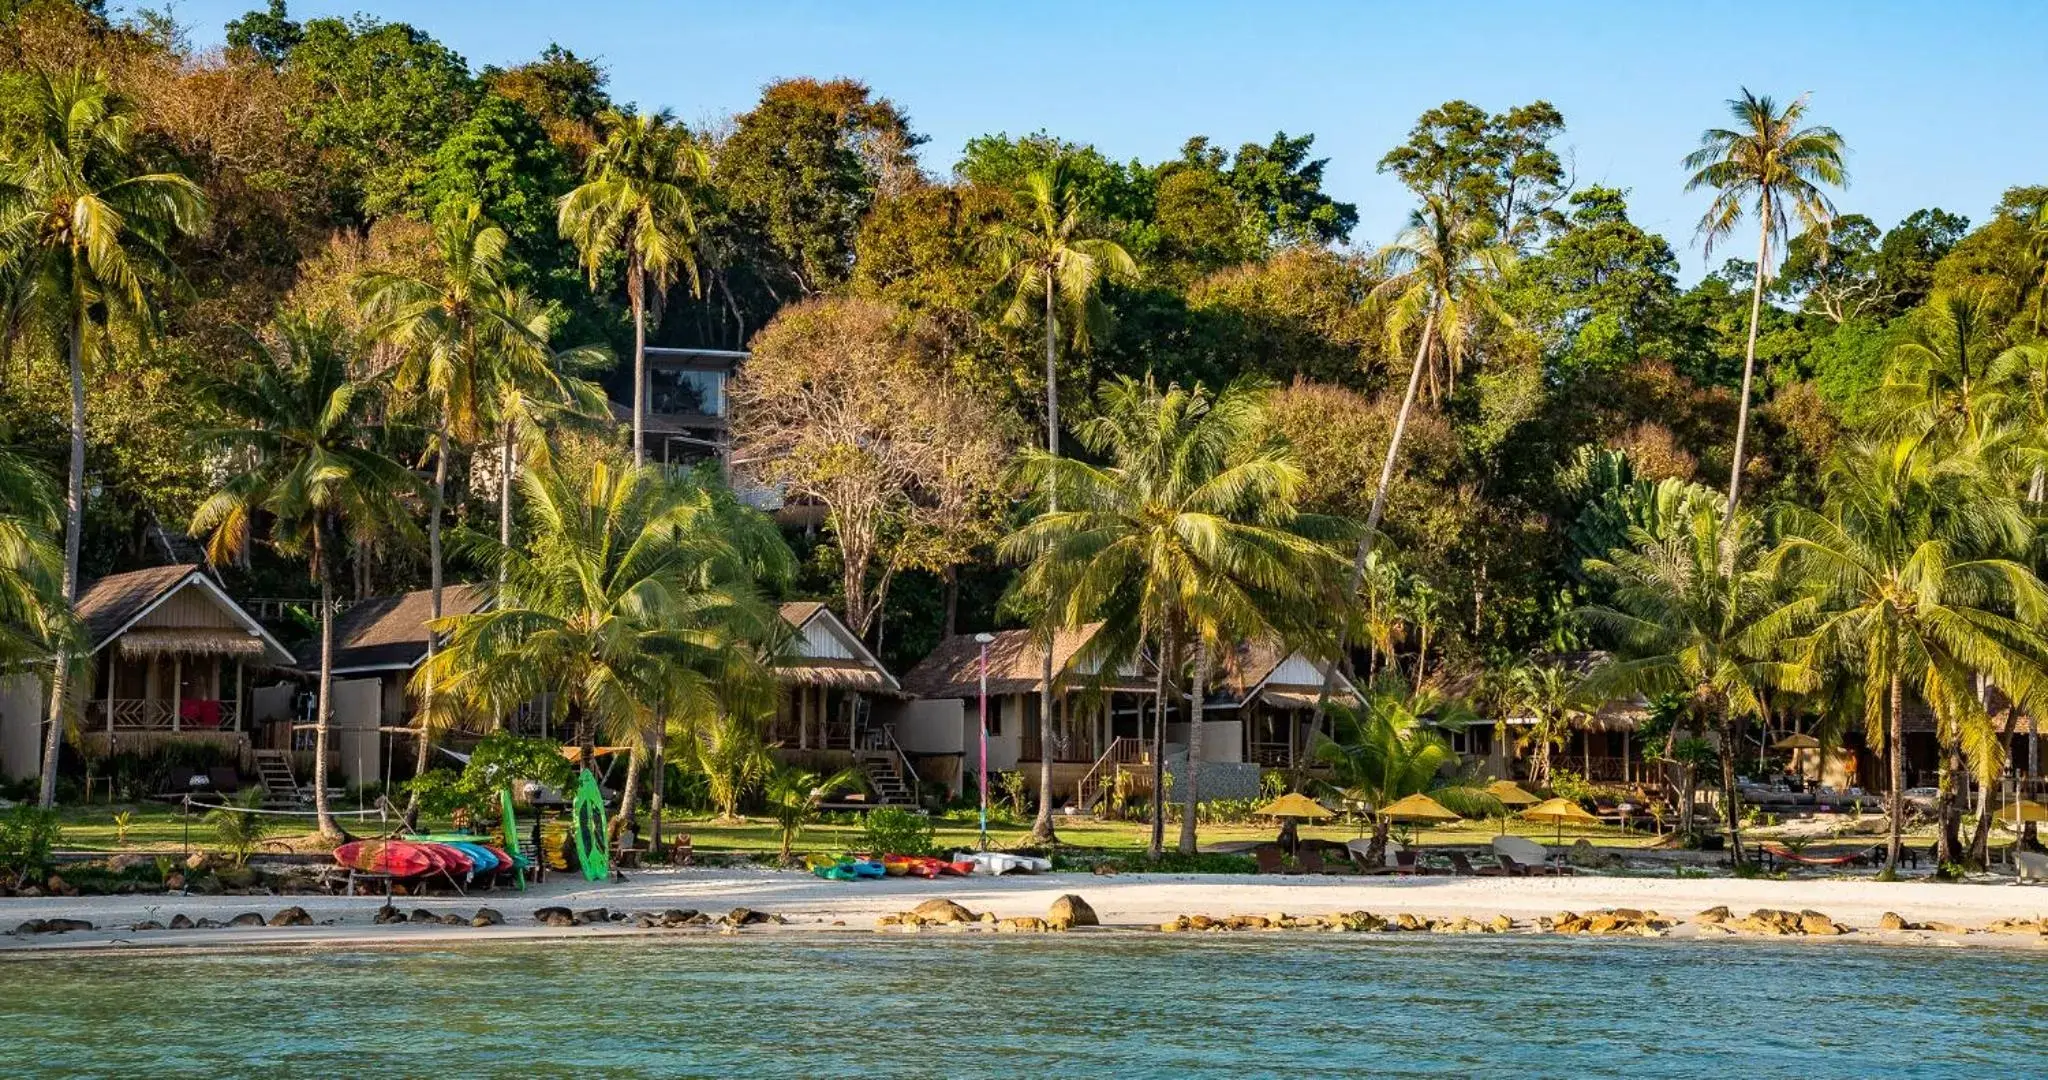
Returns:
(686,390)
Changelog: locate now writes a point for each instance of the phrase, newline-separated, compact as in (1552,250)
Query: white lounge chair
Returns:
(1519,855)
(2033,866)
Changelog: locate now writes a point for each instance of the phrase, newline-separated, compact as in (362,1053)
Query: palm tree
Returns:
(1908,566)
(35,620)
(453,334)
(1188,537)
(1769,166)
(298,419)
(1548,695)
(1940,369)
(626,604)
(1699,613)
(794,796)
(1443,270)
(733,758)
(1392,746)
(83,227)
(532,391)
(2037,252)
(638,198)
(1048,266)
(2019,397)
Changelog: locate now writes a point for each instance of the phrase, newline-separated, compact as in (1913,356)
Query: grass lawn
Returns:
(958,831)
(155,827)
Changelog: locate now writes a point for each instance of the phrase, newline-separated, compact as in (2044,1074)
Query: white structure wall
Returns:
(21,725)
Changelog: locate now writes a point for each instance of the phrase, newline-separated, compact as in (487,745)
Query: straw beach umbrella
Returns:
(1797,746)
(1290,808)
(1511,797)
(1294,804)
(1417,809)
(1559,811)
(2021,811)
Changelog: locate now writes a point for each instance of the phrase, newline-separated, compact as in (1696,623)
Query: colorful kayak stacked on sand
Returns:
(849,868)
(417,856)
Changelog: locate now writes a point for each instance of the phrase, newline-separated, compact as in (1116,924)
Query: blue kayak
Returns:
(482,858)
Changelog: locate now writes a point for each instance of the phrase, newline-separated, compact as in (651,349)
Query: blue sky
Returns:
(1939,103)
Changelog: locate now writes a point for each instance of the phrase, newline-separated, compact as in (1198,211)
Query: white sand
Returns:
(1130,900)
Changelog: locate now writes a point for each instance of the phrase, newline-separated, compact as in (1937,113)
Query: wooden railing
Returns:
(1598,769)
(131,714)
(1123,750)
(903,759)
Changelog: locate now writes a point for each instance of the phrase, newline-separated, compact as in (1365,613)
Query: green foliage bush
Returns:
(501,759)
(1570,785)
(237,832)
(1169,862)
(27,833)
(893,830)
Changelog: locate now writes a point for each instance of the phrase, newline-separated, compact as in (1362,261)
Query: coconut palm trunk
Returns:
(1895,800)
(1731,795)
(630,795)
(74,526)
(436,500)
(1378,510)
(1041,827)
(1756,308)
(1190,774)
(324,708)
(636,295)
(658,786)
(1948,810)
(507,461)
(1168,653)
(1979,852)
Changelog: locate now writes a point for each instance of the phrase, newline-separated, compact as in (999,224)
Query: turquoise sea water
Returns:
(1074,1006)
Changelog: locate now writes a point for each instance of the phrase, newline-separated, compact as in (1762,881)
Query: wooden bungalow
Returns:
(830,684)
(1269,694)
(173,658)
(1095,714)
(378,644)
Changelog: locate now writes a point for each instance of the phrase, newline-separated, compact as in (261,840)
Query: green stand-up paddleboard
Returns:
(519,866)
(592,849)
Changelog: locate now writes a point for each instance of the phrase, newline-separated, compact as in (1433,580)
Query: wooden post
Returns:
(238,693)
(1627,749)
(177,690)
(109,659)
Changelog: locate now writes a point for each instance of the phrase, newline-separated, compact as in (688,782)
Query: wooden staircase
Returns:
(885,778)
(1123,752)
(274,770)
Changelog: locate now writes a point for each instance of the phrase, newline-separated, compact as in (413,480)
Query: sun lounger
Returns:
(1312,863)
(1460,865)
(1359,862)
(1271,860)
(1518,852)
(2032,865)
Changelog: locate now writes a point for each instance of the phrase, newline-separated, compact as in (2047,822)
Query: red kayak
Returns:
(956,869)
(447,860)
(395,857)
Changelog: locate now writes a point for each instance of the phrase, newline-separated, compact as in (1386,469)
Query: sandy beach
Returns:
(1130,901)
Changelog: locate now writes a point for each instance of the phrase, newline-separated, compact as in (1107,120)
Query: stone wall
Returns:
(1215,780)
